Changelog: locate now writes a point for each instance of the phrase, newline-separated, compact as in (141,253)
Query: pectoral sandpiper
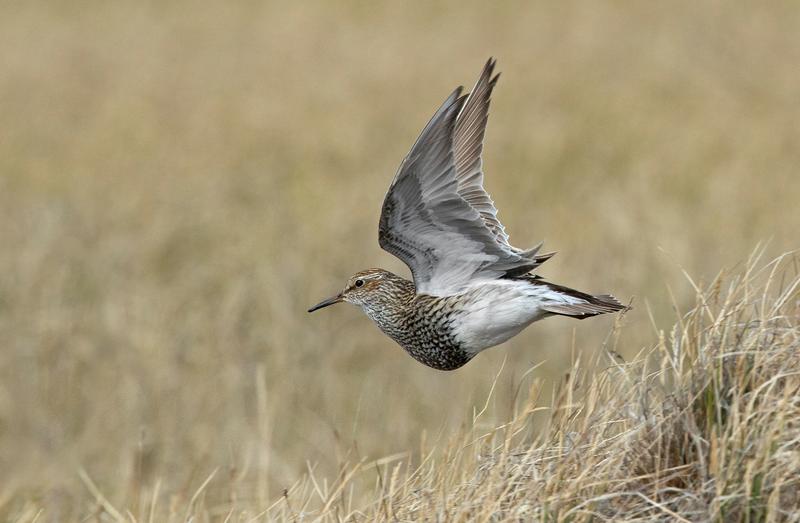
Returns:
(472,289)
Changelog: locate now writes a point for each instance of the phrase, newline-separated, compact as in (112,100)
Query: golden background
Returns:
(180,181)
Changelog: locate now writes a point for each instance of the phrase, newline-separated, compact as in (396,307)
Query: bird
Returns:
(471,288)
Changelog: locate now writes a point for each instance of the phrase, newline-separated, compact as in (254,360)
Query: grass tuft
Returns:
(702,427)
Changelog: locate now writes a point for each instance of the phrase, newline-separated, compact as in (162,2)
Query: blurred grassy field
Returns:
(178,183)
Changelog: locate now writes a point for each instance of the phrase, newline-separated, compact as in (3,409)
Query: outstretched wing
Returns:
(467,149)
(436,216)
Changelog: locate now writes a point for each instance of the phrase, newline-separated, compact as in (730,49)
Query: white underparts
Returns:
(498,310)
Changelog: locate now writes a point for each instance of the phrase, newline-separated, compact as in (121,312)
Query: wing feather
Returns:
(436,217)
(468,148)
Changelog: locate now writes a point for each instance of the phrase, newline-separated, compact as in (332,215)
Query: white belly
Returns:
(497,311)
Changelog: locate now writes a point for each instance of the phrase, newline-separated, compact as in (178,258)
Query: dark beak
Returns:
(324,303)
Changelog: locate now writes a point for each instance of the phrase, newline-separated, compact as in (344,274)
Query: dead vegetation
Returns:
(705,426)
(180,181)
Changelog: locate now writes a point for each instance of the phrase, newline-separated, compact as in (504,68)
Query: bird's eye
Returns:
(359,283)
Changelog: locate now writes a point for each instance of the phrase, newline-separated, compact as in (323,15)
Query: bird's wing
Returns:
(467,149)
(429,224)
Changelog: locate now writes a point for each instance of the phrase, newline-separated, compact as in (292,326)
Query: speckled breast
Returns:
(428,334)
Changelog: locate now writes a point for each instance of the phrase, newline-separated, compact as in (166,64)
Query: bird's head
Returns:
(367,287)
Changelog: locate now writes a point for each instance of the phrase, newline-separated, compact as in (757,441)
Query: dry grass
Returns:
(179,182)
(704,426)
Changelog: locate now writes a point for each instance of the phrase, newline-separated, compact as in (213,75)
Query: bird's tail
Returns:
(577,304)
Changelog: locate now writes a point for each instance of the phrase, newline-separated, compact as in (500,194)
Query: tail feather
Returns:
(577,304)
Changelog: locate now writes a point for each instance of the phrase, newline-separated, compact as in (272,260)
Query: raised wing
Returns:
(467,149)
(437,218)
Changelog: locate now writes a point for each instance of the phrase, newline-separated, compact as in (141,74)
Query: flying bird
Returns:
(472,289)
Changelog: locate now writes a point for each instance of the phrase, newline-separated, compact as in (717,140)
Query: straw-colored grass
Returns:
(179,181)
(704,426)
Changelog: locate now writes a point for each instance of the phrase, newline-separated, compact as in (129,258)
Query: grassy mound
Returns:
(702,426)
